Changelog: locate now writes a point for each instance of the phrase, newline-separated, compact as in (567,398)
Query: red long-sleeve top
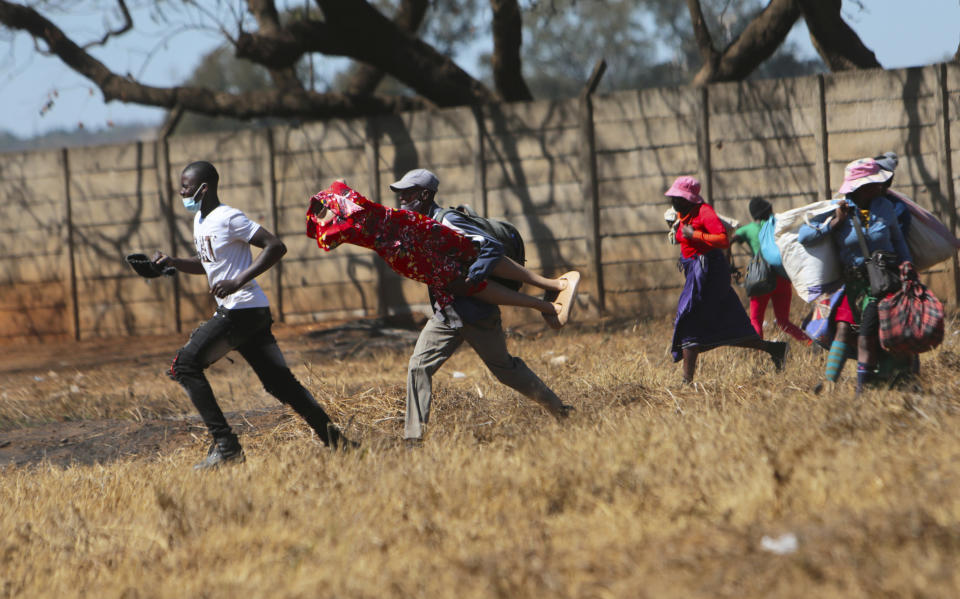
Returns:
(708,232)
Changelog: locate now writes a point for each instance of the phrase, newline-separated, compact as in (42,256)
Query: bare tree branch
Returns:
(266,15)
(701,33)
(758,41)
(357,29)
(838,44)
(268,20)
(196,99)
(347,30)
(506,62)
(127,26)
(364,78)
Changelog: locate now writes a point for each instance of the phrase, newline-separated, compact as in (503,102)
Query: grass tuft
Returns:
(651,489)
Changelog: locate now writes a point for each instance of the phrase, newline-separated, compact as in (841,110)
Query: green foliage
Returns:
(645,44)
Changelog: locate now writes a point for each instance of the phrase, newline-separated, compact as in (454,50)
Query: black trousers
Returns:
(247,331)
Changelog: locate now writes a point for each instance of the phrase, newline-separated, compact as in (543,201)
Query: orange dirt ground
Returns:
(92,441)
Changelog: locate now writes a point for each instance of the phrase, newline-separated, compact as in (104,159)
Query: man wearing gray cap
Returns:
(466,319)
(417,178)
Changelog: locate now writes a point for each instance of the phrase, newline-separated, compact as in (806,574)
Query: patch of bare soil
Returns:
(98,441)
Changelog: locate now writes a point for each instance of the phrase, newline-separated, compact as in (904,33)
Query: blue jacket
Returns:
(467,309)
(883,233)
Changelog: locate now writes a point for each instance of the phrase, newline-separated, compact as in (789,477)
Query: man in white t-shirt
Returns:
(242,321)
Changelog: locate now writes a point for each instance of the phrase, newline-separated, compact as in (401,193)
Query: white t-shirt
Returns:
(223,245)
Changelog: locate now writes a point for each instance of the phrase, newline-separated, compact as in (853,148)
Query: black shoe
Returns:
(413,444)
(564,411)
(778,353)
(336,439)
(222,452)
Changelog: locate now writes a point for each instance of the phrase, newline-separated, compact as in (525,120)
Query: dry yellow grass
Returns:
(651,490)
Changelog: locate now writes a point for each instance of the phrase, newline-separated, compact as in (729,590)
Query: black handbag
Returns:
(882,271)
(760,279)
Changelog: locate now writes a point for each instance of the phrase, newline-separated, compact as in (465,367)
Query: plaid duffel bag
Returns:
(911,319)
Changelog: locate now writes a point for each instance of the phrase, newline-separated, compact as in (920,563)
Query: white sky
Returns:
(902,33)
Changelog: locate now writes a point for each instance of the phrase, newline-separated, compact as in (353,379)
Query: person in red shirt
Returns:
(709,312)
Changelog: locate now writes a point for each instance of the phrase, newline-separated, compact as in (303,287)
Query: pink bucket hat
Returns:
(685,187)
(861,172)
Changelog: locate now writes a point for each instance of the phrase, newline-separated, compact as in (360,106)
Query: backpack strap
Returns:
(443,213)
(463,210)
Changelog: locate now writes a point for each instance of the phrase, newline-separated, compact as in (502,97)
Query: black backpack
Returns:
(501,230)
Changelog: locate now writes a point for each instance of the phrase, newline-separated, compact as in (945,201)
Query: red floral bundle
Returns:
(415,246)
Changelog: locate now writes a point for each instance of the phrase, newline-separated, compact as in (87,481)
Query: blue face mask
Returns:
(193,202)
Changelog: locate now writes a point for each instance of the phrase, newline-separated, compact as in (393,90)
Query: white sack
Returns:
(810,268)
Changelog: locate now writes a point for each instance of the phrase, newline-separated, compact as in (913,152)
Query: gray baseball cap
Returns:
(888,161)
(418,177)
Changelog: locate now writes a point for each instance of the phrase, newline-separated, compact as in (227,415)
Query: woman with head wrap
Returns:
(709,313)
(863,204)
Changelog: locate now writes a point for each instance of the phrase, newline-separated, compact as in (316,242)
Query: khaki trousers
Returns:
(438,341)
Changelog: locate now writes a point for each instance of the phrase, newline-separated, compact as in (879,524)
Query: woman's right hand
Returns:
(843,211)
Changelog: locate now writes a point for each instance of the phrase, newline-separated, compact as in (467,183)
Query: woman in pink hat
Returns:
(709,312)
(864,203)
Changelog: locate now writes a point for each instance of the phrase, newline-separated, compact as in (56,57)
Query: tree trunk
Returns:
(268,20)
(838,44)
(506,61)
(364,78)
(708,52)
(758,41)
(356,29)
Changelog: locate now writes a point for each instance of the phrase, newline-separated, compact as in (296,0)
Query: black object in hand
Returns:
(147,268)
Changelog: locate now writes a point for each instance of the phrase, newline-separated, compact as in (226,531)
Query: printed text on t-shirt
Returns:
(205,249)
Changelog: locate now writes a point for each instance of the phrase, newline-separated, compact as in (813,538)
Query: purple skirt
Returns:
(709,312)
